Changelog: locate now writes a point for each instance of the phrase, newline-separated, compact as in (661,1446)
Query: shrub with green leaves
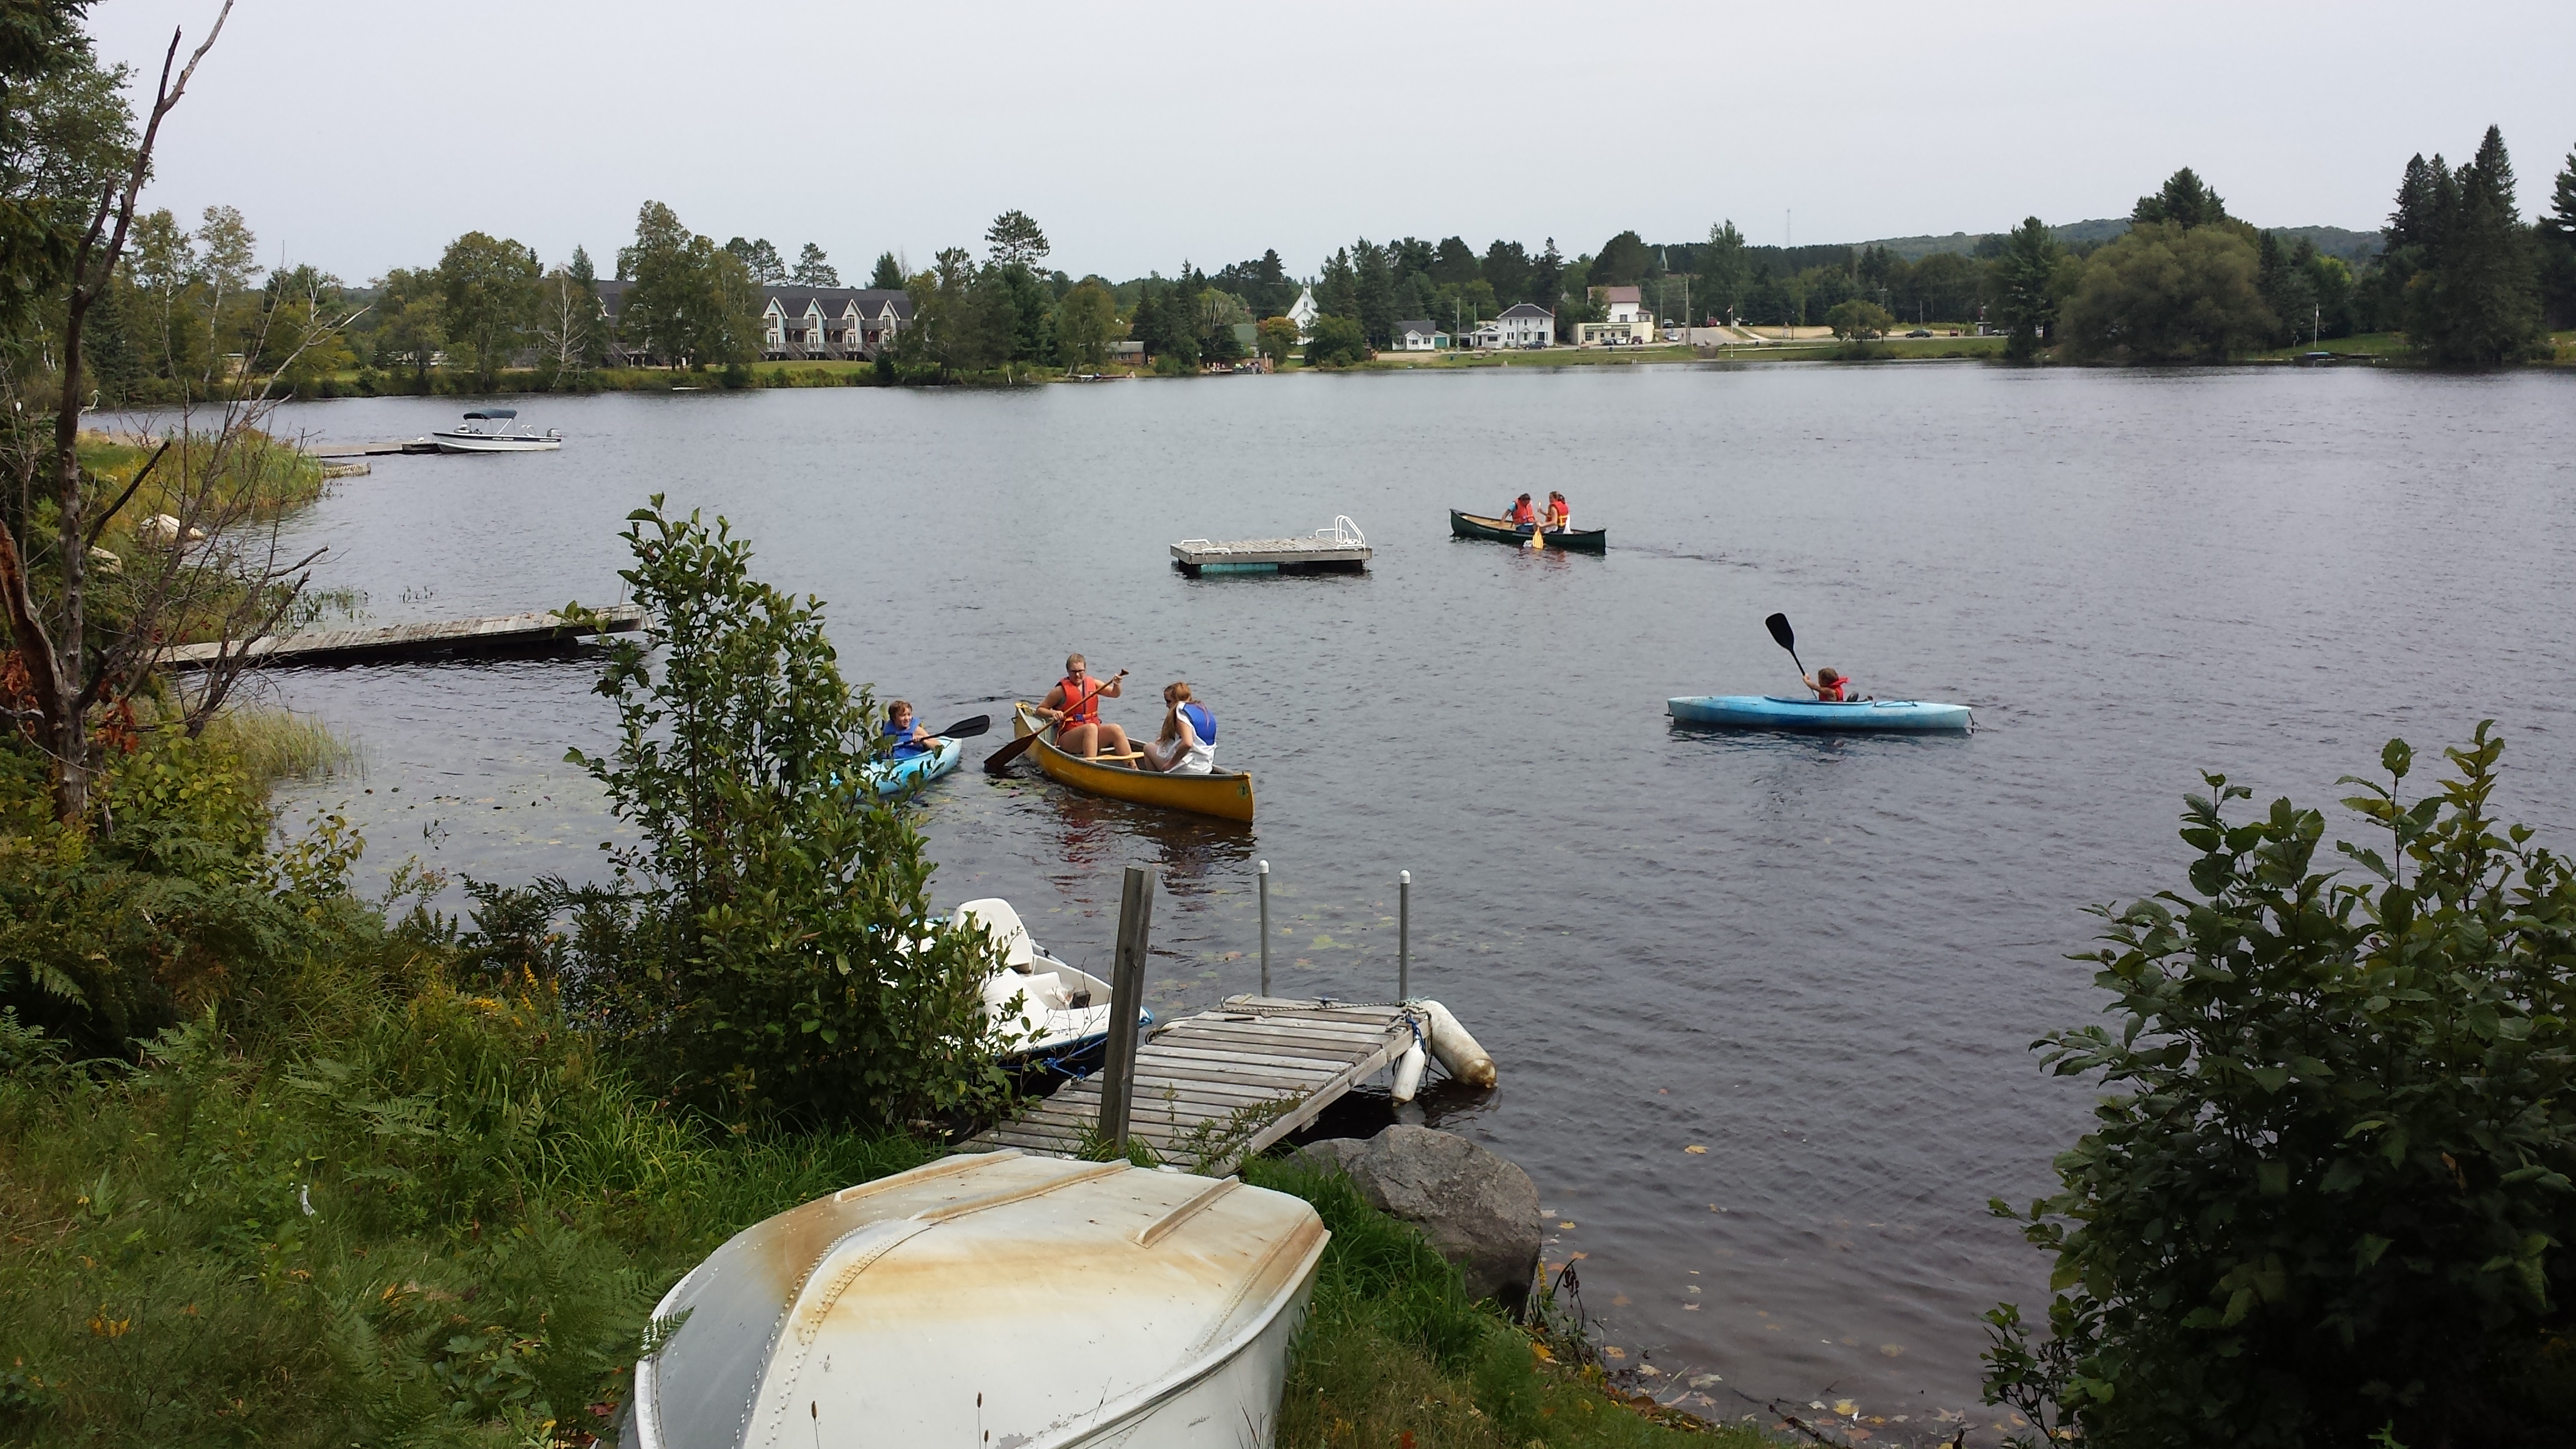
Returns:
(768,950)
(2330,1196)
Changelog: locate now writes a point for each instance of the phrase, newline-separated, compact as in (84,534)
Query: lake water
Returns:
(1822,960)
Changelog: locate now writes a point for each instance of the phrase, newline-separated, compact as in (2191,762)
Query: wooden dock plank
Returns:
(350,646)
(1204,1082)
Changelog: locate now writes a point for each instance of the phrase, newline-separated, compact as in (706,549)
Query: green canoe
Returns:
(1573,540)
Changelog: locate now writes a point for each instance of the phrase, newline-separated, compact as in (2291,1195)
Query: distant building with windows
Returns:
(1523,324)
(795,322)
(1303,312)
(1421,335)
(1628,323)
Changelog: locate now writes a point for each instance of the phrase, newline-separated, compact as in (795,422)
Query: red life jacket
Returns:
(1079,709)
(1559,515)
(1521,513)
(1833,691)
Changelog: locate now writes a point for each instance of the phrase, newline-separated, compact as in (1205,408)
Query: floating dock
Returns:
(373,450)
(1221,1086)
(1341,548)
(501,635)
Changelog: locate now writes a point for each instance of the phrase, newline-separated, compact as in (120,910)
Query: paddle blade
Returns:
(1000,760)
(1778,624)
(967,729)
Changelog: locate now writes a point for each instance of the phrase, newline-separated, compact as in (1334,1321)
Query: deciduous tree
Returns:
(1724,271)
(1086,322)
(693,303)
(1855,320)
(2162,293)
(488,286)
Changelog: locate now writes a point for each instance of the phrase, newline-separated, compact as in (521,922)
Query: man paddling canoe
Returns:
(1074,708)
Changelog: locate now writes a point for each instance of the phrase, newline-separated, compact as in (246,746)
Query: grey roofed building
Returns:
(1526,309)
(807,321)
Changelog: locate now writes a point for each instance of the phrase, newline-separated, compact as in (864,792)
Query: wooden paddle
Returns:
(1000,760)
(1781,634)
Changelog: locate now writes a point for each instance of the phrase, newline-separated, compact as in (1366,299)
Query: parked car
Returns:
(1919,332)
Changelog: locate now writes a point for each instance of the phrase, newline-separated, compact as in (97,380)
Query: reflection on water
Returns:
(1820,958)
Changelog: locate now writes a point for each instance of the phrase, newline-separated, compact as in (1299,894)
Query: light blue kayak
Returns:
(889,776)
(1770,712)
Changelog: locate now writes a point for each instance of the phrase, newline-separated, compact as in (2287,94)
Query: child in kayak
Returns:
(1830,685)
(911,741)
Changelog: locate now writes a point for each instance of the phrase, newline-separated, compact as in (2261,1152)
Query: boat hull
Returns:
(1225,796)
(1495,530)
(487,443)
(1770,712)
(892,775)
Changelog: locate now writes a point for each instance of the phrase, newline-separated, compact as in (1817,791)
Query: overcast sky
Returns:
(360,134)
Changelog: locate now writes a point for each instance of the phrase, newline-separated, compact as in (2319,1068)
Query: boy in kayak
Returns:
(1188,743)
(911,741)
(1074,706)
(1521,514)
(1829,685)
(1559,517)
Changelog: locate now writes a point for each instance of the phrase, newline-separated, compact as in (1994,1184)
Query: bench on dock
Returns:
(1341,548)
(405,641)
(1224,1085)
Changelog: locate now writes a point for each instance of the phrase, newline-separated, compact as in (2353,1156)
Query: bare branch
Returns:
(99,525)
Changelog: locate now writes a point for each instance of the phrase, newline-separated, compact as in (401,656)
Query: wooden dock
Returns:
(1341,548)
(1221,1086)
(411,641)
(383,449)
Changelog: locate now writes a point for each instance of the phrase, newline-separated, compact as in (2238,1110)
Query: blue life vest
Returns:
(904,748)
(1201,722)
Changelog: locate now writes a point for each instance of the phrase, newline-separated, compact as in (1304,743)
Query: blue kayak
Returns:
(889,776)
(1770,712)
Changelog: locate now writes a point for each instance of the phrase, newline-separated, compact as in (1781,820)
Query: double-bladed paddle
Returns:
(1000,760)
(966,729)
(1786,638)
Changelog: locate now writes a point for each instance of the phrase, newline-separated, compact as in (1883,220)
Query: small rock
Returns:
(1477,1208)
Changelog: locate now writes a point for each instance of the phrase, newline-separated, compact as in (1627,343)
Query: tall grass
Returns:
(276,745)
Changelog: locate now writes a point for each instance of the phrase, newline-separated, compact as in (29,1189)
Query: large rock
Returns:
(1480,1210)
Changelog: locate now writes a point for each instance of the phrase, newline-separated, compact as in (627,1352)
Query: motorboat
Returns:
(1053,1016)
(988,1299)
(504,436)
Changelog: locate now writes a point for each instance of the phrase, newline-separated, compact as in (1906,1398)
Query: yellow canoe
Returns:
(1227,796)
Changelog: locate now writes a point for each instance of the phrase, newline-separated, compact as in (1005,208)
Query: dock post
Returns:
(1404,935)
(1126,999)
(1262,869)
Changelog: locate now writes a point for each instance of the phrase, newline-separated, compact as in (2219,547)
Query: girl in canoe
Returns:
(1831,686)
(1188,742)
(909,739)
(1559,517)
(1074,706)
(1520,514)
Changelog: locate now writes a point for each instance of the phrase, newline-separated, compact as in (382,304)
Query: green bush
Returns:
(1336,342)
(2332,1194)
(768,948)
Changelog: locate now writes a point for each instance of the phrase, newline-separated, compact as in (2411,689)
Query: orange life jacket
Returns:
(1833,691)
(1081,701)
(1558,515)
(1521,513)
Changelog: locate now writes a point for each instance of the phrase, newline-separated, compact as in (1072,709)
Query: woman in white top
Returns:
(1188,742)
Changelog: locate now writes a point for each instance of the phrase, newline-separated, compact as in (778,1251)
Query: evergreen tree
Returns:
(2026,275)
(1338,294)
(2557,237)
(760,259)
(1507,270)
(1724,271)
(2476,302)
(2185,200)
(2288,289)
(813,269)
(1454,263)
(1547,276)
(888,274)
(1374,268)
(1623,261)
(1014,237)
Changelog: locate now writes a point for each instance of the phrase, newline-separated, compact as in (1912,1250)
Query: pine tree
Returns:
(2476,303)
(813,269)
(2185,200)
(2557,237)
(887,275)
(2028,272)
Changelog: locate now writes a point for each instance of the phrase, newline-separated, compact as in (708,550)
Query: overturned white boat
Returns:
(504,436)
(989,1299)
(1051,1014)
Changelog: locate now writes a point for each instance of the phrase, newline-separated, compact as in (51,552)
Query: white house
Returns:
(1423,335)
(1629,322)
(1303,312)
(1523,324)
